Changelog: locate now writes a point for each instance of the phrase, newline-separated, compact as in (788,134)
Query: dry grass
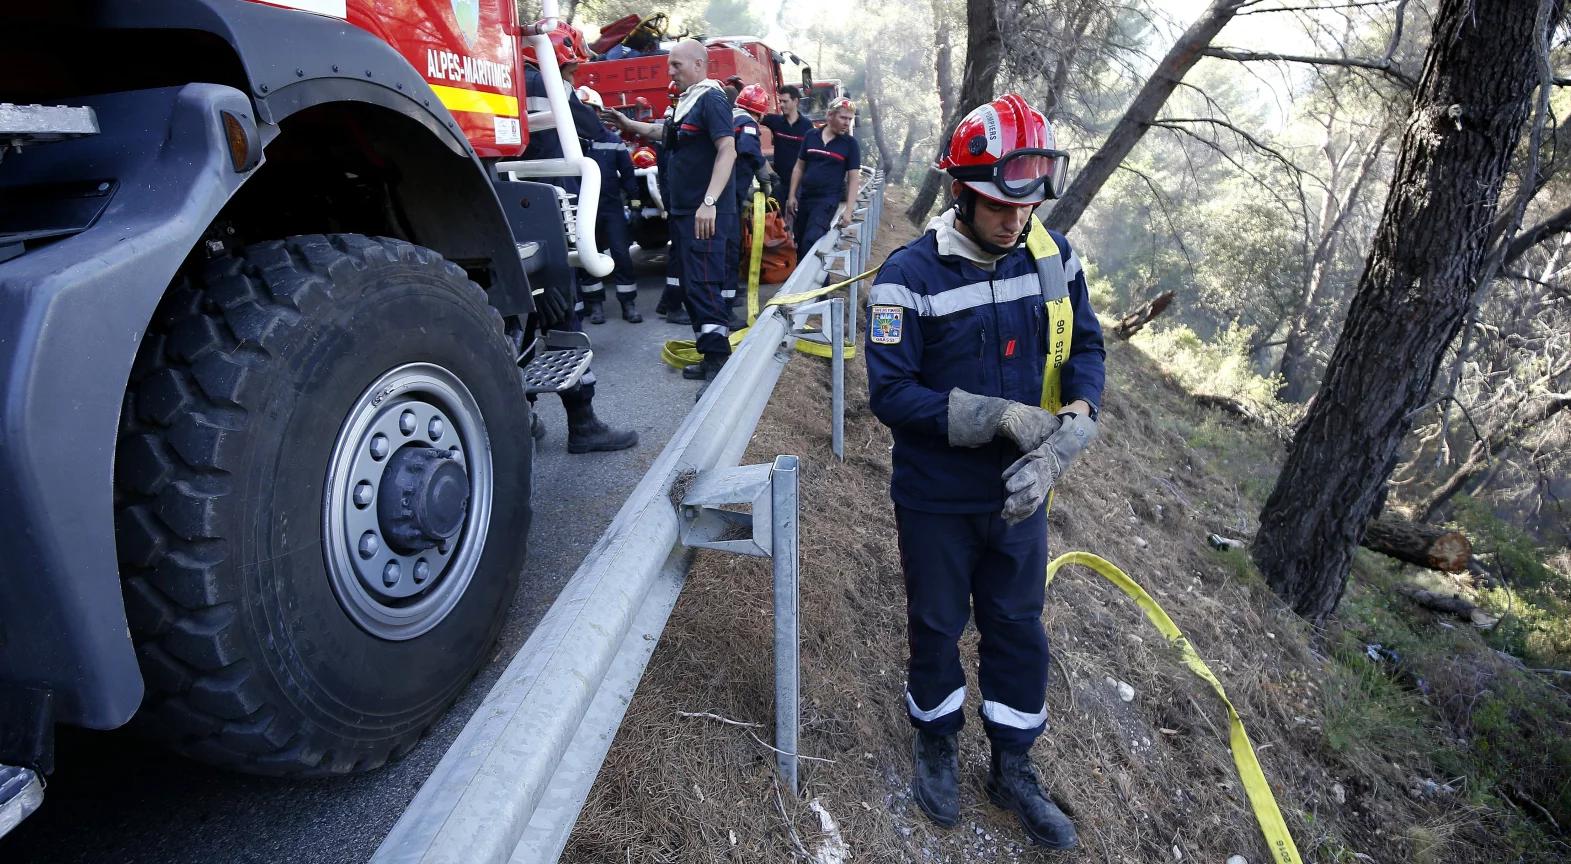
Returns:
(1146,780)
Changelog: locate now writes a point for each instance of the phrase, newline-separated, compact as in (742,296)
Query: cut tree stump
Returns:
(1417,543)
(1130,324)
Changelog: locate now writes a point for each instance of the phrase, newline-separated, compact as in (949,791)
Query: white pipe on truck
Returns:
(573,162)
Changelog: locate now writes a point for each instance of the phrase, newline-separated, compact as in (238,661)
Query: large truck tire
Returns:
(322,497)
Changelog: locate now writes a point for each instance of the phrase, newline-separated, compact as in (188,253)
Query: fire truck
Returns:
(273,285)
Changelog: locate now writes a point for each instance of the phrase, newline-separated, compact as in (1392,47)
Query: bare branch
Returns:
(1529,237)
(1317,8)
(1383,66)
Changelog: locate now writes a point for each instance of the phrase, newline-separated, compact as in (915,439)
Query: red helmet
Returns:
(644,157)
(753,98)
(1005,150)
(568,43)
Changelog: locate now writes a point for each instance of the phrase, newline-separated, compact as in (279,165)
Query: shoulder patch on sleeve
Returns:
(886,324)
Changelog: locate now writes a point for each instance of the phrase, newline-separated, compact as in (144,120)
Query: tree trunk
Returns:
(898,176)
(1295,367)
(984,53)
(1418,543)
(1415,290)
(1137,118)
(886,159)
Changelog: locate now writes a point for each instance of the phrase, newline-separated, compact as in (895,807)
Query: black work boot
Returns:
(536,426)
(1013,785)
(677,316)
(586,433)
(630,310)
(596,311)
(705,369)
(935,777)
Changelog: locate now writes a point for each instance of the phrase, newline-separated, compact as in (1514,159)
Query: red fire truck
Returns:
(270,308)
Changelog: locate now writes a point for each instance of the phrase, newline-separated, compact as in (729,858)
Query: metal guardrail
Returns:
(511,785)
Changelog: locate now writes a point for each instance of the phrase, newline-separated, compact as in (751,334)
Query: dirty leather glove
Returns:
(1032,476)
(974,420)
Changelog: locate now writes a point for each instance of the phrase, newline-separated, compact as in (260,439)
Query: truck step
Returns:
(21,791)
(560,360)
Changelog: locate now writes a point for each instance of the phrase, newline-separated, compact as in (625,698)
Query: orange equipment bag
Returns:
(779,251)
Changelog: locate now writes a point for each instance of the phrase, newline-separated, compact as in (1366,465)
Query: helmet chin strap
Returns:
(965,211)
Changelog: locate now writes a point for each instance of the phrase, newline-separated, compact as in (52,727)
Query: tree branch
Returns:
(1532,236)
(1316,8)
(1383,66)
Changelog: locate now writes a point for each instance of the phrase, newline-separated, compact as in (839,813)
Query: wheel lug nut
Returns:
(379,447)
(363,494)
(391,574)
(369,545)
(422,571)
(406,422)
(437,428)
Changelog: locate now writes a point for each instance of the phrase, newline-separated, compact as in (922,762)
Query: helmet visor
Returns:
(1022,172)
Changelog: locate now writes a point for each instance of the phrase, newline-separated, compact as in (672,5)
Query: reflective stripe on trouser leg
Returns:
(592,292)
(733,260)
(1007,592)
(702,264)
(951,704)
(626,291)
(938,552)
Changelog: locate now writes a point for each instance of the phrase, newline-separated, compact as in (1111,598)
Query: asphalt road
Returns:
(116,800)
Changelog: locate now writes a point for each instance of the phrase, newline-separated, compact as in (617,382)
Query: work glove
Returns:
(975,420)
(1032,476)
(554,303)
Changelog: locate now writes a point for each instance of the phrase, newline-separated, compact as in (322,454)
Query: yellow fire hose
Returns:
(684,352)
(1283,851)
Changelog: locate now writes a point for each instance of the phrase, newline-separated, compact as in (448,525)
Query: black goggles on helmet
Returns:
(1021,172)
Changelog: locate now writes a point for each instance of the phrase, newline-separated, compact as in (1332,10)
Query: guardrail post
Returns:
(783,549)
(837,376)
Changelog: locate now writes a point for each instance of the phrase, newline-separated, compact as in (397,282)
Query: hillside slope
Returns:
(1354,759)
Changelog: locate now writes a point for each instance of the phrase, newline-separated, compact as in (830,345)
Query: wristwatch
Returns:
(709,200)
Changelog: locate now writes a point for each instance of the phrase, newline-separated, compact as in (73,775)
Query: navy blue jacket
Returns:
(824,165)
(749,155)
(693,152)
(957,325)
(788,138)
(616,167)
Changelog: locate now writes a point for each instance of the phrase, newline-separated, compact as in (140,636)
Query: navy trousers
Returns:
(703,275)
(813,216)
(955,563)
(615,239)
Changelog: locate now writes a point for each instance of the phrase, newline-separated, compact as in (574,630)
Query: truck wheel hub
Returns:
(408,501)
(422,500)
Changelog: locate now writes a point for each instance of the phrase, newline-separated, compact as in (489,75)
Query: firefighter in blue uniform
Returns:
(617,182)
(787,131)
(702,204)
(751,103)
(973,328)
(585,432)
(825,177)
